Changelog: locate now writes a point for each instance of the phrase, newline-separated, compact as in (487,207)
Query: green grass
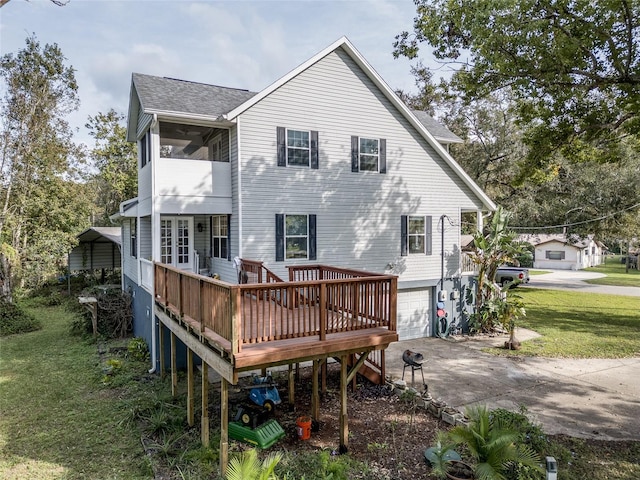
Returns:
(538,272)
(580,325)
(59,421)
(615,274)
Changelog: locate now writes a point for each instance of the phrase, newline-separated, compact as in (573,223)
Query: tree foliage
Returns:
(42,205)
(574,66)
(497,247)
(116,162)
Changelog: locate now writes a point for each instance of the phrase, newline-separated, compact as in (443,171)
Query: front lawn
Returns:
(581,325)
(615,274)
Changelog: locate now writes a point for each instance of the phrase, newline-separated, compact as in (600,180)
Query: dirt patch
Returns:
(387,431)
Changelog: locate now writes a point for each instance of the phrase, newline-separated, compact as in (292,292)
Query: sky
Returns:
(241,44)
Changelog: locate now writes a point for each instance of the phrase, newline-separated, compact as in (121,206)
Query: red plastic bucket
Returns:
(303,425)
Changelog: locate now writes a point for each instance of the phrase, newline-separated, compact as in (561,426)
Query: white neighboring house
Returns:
(559,253)
(326,165)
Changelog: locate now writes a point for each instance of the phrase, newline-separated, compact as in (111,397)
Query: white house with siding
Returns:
(559,252)
(326,165)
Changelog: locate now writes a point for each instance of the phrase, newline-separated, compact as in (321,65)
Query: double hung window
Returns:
(368,154)
(295,237)
(416,235)
(220,236)
(297,148)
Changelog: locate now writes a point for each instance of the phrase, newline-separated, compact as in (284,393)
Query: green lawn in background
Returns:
(538,272)
(615,274)
(580,325)
(58,421)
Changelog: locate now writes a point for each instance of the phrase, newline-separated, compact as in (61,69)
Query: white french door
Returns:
(176,242)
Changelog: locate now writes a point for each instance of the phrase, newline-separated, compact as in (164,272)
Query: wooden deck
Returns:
(320,312)
(330,313)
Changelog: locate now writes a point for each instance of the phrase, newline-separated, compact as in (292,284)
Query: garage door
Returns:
(414,313)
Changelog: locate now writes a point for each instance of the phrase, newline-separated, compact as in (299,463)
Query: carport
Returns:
(98,249)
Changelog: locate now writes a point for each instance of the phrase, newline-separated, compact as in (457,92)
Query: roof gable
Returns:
(346,45)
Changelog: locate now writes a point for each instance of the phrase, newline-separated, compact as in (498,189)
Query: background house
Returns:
(326,165)
(556,251)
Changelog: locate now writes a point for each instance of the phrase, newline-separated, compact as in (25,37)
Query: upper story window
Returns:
(220,236)
(368,154)
(297,147)
(295,237)
(145,149)
(134,237)
(416,234)
(298,151)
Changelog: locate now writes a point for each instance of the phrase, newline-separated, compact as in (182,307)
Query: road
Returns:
(574,280)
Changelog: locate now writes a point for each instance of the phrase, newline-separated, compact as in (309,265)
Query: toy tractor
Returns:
(264,395)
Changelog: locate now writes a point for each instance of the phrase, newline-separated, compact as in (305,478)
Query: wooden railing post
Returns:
(236,329)
(180,306)
(393,303)
(323,311)
(200,305)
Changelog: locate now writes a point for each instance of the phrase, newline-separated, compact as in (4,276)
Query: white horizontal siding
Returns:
(358,221)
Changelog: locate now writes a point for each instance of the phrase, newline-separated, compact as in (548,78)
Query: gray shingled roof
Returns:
(172,95)
(439,131)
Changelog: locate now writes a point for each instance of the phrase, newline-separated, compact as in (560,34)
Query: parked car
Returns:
(513,275)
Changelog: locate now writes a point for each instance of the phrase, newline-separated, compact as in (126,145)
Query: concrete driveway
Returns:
(591,398)
(574,280)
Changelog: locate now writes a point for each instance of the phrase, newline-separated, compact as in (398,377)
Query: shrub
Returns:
(138,349)
(15,320)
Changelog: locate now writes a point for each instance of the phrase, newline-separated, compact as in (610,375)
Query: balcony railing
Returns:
(332,300)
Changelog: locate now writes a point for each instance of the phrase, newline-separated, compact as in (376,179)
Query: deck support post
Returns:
(324,377)
(190,395)
(204,419)
(315,396)
(344,420)
(292,386)
(224,426)
(161,349)
(174,368)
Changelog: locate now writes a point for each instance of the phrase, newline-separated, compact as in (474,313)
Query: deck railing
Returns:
(253,313)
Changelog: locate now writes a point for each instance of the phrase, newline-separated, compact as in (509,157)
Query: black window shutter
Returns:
(314,149)
(383,155)
(279,237)
(312,237)
(404,238)
(354,154)
(282,147)
(428,241)
(228,236)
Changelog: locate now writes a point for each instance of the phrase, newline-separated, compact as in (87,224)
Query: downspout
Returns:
(154,240)
(239,159)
